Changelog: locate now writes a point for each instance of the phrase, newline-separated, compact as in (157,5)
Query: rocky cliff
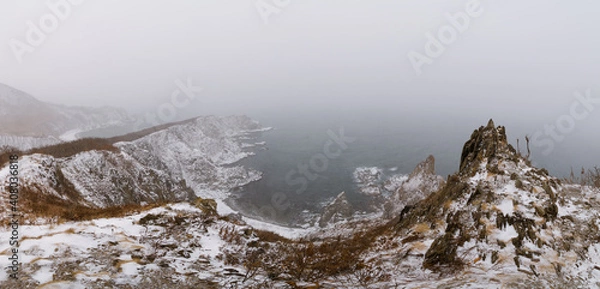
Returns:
(174,164)
(497,222)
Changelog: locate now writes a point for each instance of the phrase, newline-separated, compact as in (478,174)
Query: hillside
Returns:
(176,163)
(26,122)
(497,222)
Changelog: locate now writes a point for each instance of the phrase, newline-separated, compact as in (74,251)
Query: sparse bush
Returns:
(72,148)
(304,260)
(37,204)
(590,177)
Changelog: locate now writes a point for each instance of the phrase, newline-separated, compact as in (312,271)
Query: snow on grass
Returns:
(506,234)
(567,210)
(130,268)
(70,135)
(291,233)
(211,244)
(62,285)
(506,207)
(287,232)
(45,273)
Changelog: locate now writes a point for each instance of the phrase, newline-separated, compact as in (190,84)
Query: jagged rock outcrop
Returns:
(407,191)
(487,144)
(425,168)
(499,213)
(338,210)
(369,181)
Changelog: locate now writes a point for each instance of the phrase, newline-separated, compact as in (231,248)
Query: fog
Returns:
(326,63)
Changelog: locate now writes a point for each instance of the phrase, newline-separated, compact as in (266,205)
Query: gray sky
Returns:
(518,61)
(130,52)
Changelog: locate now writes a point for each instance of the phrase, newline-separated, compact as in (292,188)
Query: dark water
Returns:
(295,140)
(384,139)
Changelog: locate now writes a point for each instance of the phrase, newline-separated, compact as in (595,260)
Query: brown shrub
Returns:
(590,177)
(72,148)
(145,132)
(311,261)
(38,204)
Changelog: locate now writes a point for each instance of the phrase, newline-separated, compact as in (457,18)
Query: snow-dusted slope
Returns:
(395,192)
(497,223)
(200,153)
(191,159)
(23,115)
(144,250)
(24,143)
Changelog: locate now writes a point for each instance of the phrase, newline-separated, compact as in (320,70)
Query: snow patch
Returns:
(507,234)
(506,207)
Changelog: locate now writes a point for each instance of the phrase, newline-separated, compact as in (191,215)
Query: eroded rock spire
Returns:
(487,143)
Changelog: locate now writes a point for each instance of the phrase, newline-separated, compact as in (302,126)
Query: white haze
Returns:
(519,62)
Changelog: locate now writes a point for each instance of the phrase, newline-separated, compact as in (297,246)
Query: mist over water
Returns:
(384,138)
(393,135)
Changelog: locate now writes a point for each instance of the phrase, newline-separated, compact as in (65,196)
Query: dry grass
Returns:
(37,204)
(419,247)
(590,177)
(72,148)
(271,237)
(448,205)
(145,132)
(306,260)
(5,154)
(421,228)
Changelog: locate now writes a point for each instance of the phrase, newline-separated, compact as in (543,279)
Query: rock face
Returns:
(425,168)
(407,191)
(497,223)
(499,213)
(368,180)
(487,144)
(338,210)
(174,164)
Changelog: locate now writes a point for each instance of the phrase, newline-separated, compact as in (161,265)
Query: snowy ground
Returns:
(70,135)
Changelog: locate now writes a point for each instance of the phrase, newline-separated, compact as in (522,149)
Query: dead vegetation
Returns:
(35,204)
(294,261)
(142,133)
(590,177)
(68,149)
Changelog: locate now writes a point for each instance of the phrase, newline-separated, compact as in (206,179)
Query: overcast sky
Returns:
(131,52)
(516,61)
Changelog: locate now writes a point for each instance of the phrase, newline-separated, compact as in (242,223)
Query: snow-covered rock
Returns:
(409,190)
(501,222)
(336,211)
(195,158)
(496,223)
